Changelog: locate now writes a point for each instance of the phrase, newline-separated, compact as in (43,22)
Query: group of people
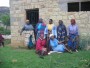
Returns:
(51,38)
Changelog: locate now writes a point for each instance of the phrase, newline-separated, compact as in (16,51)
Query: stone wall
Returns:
(47,9)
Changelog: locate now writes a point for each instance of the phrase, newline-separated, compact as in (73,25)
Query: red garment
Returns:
(1,38)
(41,43)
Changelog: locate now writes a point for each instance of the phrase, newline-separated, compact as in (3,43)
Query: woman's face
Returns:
(42,36)
(72,22)
(60,22)
(50,21)
(52,37)
(27,22)
(41,20)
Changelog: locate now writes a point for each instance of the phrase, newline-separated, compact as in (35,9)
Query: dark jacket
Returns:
(1,38)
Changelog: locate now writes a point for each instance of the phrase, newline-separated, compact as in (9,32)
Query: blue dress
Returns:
(30,44)
(61,33)
(57,47)
(73,33)
(40,27)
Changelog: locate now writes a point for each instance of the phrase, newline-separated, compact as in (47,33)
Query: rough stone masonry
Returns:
(54,9)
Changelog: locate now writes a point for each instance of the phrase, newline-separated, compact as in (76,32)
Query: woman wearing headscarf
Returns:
(61,32)
(56,45)
(28,30)
(73,35)
(27,27)
(41,46)
(50,29)
(40,27)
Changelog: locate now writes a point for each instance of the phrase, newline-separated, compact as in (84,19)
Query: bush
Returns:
(1,29)
(4,31)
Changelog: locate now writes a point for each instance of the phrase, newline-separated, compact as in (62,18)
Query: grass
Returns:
(7,42)
(24,58)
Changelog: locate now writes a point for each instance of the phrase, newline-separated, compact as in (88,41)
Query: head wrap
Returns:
(73,22)
(51,35)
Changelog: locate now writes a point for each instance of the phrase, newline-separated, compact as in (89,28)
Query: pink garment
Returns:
(1,38)
(41,43)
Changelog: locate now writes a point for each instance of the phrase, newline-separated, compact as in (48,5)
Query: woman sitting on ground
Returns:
(41,46)
(56,45)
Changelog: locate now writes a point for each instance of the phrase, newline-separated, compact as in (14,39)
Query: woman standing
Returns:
(27,27)
(40,27)
(50,29)
(29,34)
(73,35)
(61,32)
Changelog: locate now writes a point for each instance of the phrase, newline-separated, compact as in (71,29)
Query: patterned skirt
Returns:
(72,42)
(27,34)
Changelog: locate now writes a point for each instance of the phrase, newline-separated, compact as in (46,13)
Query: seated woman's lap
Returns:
(60,48)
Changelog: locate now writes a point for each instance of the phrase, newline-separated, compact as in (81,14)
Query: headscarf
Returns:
(73,22)
(41,36)
(51,35)
(61,28)
(61,25)
(60,22)
(40,20)
(27,22)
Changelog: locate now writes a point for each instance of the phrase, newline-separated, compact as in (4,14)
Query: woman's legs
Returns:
(2,44)
(42,53)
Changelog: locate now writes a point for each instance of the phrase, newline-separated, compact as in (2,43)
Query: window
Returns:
(85,6)
(79,6)
(73,6)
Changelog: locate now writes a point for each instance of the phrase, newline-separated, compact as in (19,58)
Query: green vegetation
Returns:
(7,42)
(24,58)
(4,31)
(5,19)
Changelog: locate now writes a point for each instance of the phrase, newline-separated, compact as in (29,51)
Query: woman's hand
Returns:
(44,49)
(59,42)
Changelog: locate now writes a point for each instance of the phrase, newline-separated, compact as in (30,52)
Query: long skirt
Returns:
(27,35)
(72,42)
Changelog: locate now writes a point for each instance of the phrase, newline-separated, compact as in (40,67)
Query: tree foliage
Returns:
(6,20)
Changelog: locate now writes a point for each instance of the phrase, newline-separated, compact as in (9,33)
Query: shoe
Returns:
(41,57)
(76,50)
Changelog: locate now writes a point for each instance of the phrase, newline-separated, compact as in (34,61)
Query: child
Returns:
(1,40)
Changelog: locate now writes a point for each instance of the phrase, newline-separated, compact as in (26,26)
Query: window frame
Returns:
(80,6)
